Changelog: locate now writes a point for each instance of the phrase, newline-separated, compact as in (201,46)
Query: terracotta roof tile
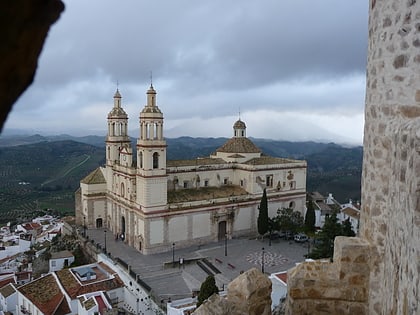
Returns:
(102,282)
(8,290)
(264,160)
(239,145)
(45,294)
(95,177)
(196,162)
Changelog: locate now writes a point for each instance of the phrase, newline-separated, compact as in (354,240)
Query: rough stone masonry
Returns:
(385,280)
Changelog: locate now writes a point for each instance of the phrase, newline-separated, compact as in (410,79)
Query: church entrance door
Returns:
(222,231)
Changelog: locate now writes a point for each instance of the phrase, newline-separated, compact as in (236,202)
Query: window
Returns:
(155,160)
(141,159)
(185,184)
(292,185)
(242,182)
(53,263)
(226,181)
(206,183)
(291,205)
(269,180)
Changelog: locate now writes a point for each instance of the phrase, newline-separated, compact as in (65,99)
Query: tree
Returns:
(347,229)
(325,246)
(310,217)
(207,289)
(263,215)
(288,220)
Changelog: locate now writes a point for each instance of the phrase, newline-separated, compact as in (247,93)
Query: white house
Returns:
(59,260)
(278,288)
(8,298)
(60,292)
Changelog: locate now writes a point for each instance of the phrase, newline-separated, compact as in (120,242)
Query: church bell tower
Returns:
(151,157)
(117,137)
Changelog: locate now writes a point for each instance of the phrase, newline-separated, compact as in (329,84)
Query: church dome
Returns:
(239,124)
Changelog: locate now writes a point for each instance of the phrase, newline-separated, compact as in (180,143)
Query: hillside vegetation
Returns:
(43,175)
(46,172)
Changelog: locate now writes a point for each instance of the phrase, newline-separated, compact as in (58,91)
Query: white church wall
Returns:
(156,231)
(201,225)
(243,219)
(177,228)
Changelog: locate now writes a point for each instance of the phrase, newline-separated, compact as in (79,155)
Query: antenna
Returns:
(117,84)
(151,78)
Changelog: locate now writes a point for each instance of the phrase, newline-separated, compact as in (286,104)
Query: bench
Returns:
(231,266)
(218,260)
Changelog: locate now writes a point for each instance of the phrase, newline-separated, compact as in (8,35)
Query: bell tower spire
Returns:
(151,157)
(117,137)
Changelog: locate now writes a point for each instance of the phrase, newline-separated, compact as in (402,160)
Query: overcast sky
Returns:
(293,69)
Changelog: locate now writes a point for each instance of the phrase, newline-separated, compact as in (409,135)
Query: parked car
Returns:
(274,235)
(289,235)
(301,238)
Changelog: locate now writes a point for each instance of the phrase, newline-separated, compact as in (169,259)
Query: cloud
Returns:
(209,59)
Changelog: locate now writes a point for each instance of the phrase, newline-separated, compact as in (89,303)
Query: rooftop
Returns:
(62,254)
(239,145)
(205,193)
(106,279)
(95,177)
(45,294)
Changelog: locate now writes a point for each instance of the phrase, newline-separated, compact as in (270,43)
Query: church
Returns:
(154,204)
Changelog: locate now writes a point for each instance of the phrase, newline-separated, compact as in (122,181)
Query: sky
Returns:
(291,69)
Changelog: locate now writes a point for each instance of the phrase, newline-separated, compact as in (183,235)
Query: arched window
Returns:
(141,159)
(155,160)
(122,190)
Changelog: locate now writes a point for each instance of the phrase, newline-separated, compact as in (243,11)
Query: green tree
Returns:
(262,222)
(208,287)
(347,228)
(288,220)
(325,246)
(310,217)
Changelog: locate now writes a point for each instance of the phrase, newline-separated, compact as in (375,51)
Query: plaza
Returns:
(177,273)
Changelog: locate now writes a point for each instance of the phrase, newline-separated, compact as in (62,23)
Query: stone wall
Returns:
(390,216)
(322,287)
(248,294)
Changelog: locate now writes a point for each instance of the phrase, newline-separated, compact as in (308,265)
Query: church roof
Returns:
(239,124)
(265,160)
(239,145)
(95,177)
(117,111)
(195,162)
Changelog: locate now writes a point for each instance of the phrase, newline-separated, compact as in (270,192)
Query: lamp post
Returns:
(262,260)
(173,254)
(105,241)
(84,226)
(226,238)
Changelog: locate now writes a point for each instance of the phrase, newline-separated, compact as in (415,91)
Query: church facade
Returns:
(154,204)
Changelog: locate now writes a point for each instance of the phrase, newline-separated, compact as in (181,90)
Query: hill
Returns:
(45,173)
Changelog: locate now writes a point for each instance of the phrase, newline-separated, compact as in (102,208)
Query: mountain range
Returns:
(44,171)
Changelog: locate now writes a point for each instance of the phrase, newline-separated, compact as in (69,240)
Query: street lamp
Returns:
(226,244)
(84,226)
(262,260)
(105,241)
(173,254)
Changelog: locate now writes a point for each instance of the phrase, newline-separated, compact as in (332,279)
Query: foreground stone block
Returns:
(248,294)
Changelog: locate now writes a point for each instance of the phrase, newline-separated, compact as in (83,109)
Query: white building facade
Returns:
(154,203)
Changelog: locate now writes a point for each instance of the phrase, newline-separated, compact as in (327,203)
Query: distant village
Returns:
(106,285)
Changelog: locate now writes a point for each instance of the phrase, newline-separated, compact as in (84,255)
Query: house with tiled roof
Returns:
(60,260)
(42,296)
(71,291)
(153,202)
(278,287)
(8,298)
